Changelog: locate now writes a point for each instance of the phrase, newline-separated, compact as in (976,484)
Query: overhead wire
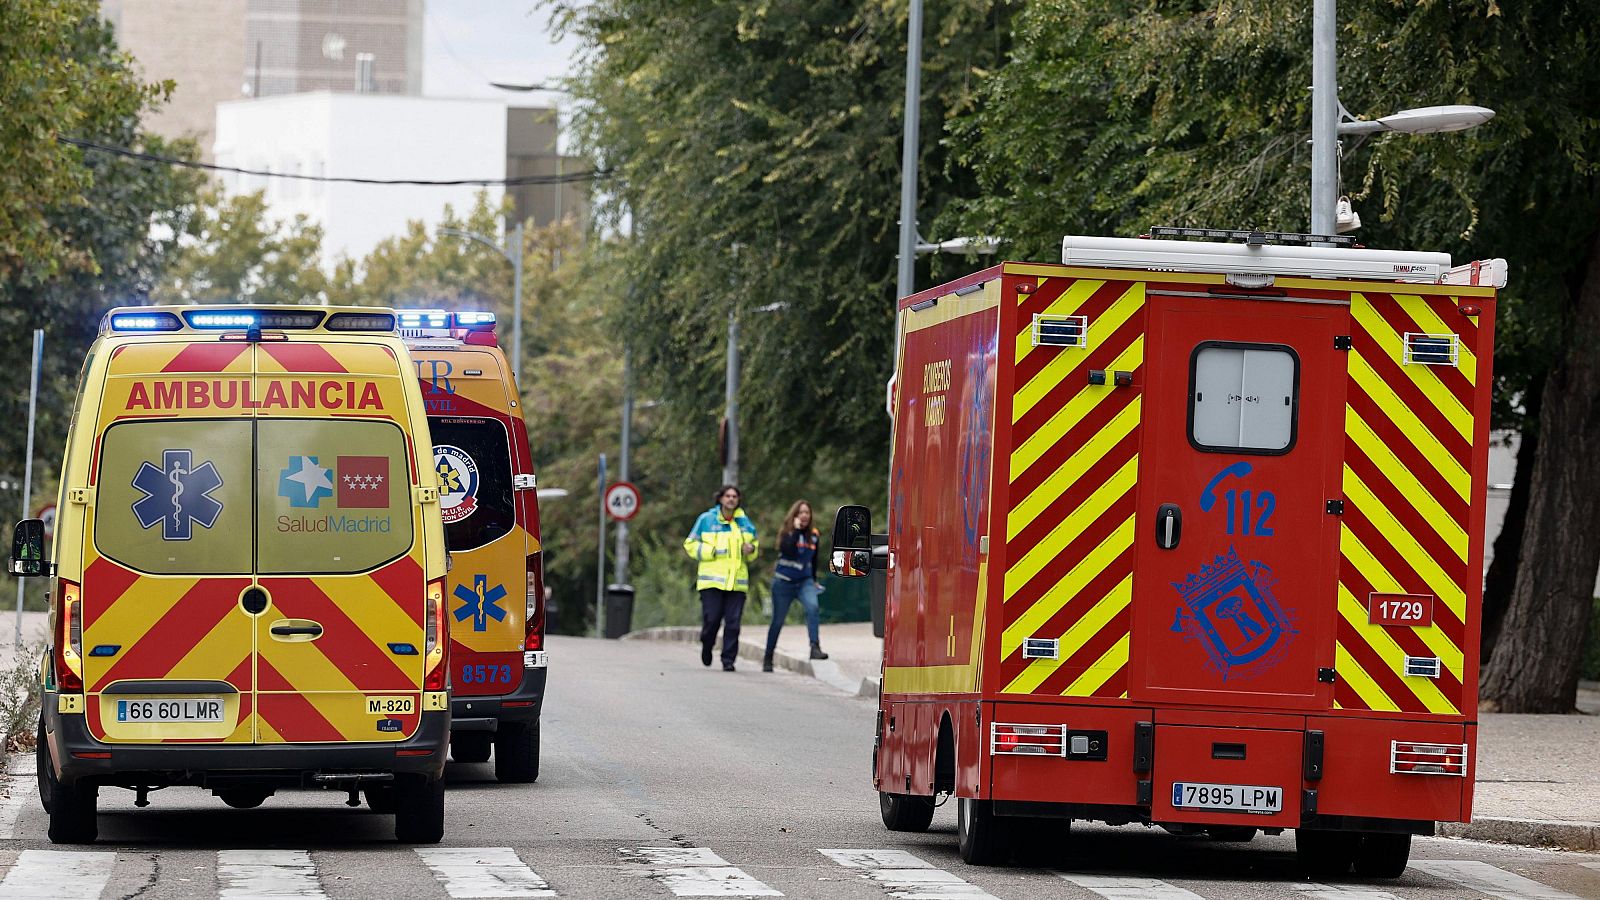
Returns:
(129,153)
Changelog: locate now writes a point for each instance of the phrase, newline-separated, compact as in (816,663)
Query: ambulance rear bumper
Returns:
(279,764)
(487,713)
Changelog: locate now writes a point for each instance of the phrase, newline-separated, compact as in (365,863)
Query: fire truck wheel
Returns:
(984,838)
(419,810)
(1325,854)
(516,753)
(1237,833)
(471,746)
(1040,843)
(1383,855)
(244,798)
(905,812)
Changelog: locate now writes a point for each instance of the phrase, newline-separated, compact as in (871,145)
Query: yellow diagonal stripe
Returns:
(1383,644)
(1065,305)
(1073,469)
(1428,321)
(1066,363)
(1406,484)
(1420,436)
(1106,666)
(1073,639)
(1072,412)
(1068,529)
(1351,673)
(1373,572)
(1067,588)
(1401,540)
(1423,377)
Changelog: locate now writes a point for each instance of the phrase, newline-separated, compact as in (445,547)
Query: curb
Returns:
(823,670)
(1584,836)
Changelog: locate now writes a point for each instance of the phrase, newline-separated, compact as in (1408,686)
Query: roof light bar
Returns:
(253,318)
(152,321)
(1252,258)
(1250,236)
(474,319)
(424,318)
(345,321)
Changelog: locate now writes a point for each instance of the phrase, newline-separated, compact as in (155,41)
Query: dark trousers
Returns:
(725,608)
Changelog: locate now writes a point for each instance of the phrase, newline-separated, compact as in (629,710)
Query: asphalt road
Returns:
(663,778)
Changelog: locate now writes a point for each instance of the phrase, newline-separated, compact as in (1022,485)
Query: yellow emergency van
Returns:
(247,581)
(490,508)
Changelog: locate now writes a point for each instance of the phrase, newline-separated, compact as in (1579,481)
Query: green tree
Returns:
(230,249)
(1112,116)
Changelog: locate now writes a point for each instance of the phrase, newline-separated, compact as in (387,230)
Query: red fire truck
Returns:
(1187,533)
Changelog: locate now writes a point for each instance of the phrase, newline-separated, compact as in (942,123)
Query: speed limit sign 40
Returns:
(622,501)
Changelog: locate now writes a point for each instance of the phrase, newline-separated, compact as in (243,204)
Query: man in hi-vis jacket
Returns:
(723,542)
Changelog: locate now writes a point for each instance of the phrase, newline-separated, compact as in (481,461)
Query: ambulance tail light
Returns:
(1027,740)
(436,639)
(535,620)
(1419,758)
(69,643)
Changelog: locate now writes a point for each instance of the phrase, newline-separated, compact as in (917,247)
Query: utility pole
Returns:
(1324,116)
(516,306)
(27,462)
(620,566)
(905,284)
(730,414)
(600,556)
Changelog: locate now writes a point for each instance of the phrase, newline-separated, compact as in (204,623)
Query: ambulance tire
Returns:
(516,753)
(73,816)
(471,746)
(984,838)
(41,757)
(1325,854)
(419,811)
(1383,855)
(905,812)
(380,799)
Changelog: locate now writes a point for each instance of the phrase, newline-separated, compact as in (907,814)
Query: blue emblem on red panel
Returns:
(177,494)
(1228,607)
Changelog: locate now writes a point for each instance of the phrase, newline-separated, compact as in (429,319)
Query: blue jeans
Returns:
(783,594)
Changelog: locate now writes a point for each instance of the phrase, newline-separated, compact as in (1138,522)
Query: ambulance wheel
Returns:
(380,799)
(244,798)
(1325,854)
(41,758)
(73,817)
(905,812)
(984,838)
(516,753)
(419,811)
(471,746)
(1383,855)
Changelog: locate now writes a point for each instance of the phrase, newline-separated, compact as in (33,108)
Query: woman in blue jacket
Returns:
(795,577)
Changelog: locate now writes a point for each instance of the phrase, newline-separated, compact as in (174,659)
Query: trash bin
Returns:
(619,610)
(878,581)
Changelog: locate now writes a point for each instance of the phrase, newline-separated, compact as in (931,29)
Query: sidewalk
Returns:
(1538,776)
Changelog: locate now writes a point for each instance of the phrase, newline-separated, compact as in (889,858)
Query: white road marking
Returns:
(907,877)
(22,790)
(268,875)
(483,872)
(1491,880)
(1593,865)
(1129,887)
(697,872)
(58,875)
(1336,891)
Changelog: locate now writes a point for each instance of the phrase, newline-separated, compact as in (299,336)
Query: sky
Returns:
(469,43)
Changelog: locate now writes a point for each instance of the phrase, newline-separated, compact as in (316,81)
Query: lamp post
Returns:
(905,283)
(1326,110)
(516,285)
(730,414)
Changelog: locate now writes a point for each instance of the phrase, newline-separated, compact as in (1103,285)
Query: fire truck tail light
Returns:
(1028,740)
(1417,758)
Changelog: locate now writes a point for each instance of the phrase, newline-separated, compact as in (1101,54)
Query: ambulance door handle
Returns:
(1169,526)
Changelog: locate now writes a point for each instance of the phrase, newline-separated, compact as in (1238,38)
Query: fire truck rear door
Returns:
(1237,549)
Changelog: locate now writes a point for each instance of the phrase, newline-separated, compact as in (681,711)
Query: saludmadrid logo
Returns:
(335,524)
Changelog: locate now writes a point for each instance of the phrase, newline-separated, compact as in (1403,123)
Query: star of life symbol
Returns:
(177,494)
(480,603)
(1229,608)
(305,483)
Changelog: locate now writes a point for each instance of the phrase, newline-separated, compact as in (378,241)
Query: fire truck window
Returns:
(473,459)
(1243,398)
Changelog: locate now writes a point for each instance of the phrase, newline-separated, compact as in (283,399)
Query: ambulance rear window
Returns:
(473,458)
(1243,398)
(173,497)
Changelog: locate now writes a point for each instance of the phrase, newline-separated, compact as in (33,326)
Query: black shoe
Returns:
(766,663)
(705,654)
(816,652)
(727,667)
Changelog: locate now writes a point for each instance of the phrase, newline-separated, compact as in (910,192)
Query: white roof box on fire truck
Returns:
(1267,253)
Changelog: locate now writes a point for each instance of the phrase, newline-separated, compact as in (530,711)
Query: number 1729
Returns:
(1400,609)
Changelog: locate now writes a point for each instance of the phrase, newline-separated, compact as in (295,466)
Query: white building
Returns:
(368,136)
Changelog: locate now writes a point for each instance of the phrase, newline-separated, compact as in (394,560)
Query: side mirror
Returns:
(852,528)
(27,549)
(850,563)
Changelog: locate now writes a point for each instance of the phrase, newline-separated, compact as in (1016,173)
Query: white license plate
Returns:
(1247,798)
(186,709)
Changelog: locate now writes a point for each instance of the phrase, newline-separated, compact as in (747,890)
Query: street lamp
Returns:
(730,414)
(981,245)
(905,281)
(1326,127)
(516,285)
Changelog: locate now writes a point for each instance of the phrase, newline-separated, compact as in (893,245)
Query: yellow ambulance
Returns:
(247,582)
(490,508)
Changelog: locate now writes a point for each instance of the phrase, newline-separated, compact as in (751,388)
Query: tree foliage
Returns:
(230,249)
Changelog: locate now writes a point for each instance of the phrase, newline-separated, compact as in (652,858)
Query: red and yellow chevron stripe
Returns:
(1409,433)
(1069,529)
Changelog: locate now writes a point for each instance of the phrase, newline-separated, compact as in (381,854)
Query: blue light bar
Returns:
(424,318)
(474,319)
(222,319)
(153,321)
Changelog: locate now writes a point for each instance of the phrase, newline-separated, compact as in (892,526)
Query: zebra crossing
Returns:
(494,872)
